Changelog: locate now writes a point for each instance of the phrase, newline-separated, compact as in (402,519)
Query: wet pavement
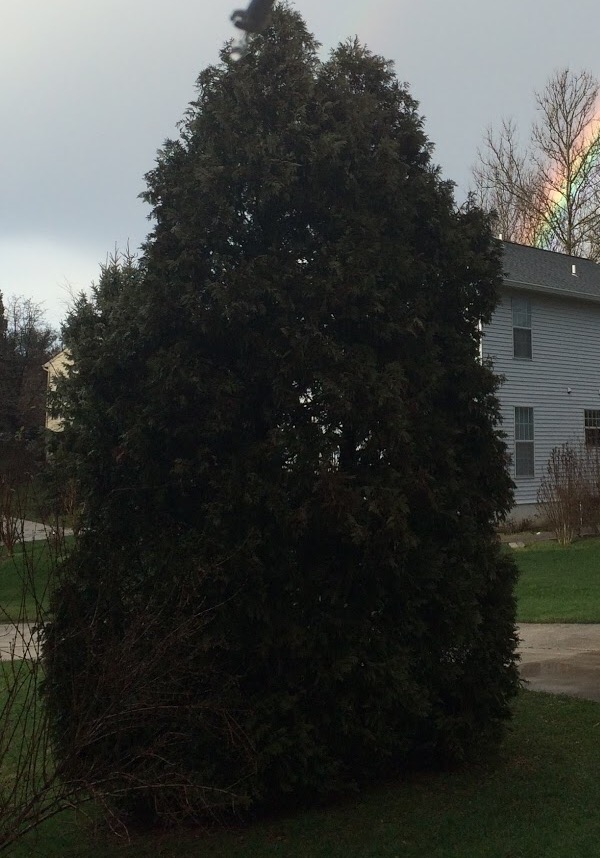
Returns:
(561,658)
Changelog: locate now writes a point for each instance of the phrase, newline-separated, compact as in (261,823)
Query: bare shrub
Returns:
(134,688)
(70,506)
(525,525)
(12,503)
(559,494)
(31,789)
(569,491)
(521,525)
(121,695)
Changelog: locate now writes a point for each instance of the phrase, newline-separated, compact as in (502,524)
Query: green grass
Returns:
(540,799)
(23,580)
(559,585)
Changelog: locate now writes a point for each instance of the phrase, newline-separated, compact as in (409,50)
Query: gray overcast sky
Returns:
(91,89)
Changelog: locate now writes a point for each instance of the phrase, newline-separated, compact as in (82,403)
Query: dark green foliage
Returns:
(26,343)
(282,406)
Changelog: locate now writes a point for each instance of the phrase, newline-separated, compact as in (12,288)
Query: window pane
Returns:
(592,437)
(592,427)
(521,312)
(524,459)
(522,342)
(523,424)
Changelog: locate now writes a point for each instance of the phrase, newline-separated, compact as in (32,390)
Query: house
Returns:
(55,367)
(544,339)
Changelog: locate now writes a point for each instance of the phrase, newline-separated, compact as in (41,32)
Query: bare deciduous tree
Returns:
(547,193)
(505,182)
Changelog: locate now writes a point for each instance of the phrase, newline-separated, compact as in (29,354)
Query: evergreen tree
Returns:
(26,343)
(3,322)
(281,409)
(3,365)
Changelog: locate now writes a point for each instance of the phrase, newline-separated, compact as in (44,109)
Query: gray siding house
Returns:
(544,339)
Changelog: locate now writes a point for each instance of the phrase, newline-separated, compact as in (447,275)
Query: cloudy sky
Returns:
(89,91)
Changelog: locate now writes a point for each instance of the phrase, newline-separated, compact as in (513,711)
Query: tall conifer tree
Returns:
(284,403)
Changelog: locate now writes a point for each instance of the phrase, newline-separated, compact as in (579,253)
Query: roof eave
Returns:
(551,290)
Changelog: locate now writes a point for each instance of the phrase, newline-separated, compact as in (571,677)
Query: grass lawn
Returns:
(559,585)
(540,799)
(23,580)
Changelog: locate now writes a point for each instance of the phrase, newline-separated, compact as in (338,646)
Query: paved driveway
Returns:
(559,658)
(562,658)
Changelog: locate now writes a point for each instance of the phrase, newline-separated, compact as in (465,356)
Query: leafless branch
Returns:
(548,193)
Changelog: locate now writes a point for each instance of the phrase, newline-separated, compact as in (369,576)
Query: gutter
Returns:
(552,290)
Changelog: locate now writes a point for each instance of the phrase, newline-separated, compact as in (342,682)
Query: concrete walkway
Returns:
(18,641)
(562,658)
(35,530)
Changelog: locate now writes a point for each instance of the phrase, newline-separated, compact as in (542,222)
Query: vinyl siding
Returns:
(565,354)
(56,367)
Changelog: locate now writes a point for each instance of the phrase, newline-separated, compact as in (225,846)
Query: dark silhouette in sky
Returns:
(255,18)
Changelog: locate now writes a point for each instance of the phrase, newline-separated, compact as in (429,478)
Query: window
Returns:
(592,427)
(524,442)
(521,319)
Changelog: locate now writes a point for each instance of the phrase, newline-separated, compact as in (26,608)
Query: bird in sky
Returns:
(255,18)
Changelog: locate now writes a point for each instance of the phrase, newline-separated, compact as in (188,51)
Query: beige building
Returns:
(56,367)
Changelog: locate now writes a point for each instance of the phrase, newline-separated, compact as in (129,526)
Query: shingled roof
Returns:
(547,271)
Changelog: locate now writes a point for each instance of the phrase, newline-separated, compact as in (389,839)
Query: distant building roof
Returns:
(58,361)
(548,271)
